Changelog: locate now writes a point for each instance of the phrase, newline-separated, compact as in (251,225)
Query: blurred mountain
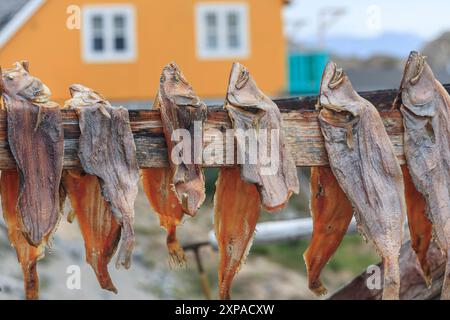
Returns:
(386,44)
(438,52)
(375,62)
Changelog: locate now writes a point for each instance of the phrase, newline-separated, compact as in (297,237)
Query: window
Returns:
(222,30)
(108,33)
(211,31)
(233,30)
(97,34)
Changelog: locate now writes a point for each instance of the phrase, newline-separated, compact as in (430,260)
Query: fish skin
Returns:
(107,150)
(235,218)
(425,108)
(248,107)
(331,212)
(180,107)
(27,254)
(158,187)
(420,227)
(363,161)
(36,139)
(99,228)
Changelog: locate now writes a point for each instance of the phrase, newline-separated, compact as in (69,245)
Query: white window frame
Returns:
(109,54)
(221,10)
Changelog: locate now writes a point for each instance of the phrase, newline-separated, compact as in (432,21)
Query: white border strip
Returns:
(19,19)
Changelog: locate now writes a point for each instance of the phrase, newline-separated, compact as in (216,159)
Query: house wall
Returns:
(165,32)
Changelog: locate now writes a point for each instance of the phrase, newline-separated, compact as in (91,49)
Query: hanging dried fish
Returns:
(107,150)
(363,161)
(255,115)
(100,230)
(425,108)
(158,187)
(99,227)
(36,139)
(236,212)
(26,253)
(331,213)
(182,109)
(420,227)
(239,191)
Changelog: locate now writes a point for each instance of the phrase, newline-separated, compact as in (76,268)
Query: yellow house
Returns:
(119,47)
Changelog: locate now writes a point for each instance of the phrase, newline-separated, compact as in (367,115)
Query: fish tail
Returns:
(100,266)
(391,290)
(314,267)
(31,280)
(226,277)
(126,246)
(225,286)
(421,250)
(177,258)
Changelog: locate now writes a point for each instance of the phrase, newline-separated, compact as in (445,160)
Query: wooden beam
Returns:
(301,130)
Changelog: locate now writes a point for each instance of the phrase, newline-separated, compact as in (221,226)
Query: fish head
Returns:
(83,96)
(337,93)
(79,96)
(243,93)
(417,87)
(174,85)
(18,81)
(78,90)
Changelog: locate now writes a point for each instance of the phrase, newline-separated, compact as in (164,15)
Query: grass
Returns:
(353,255)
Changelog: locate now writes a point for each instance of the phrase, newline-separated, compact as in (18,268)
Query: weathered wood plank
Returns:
(301,130)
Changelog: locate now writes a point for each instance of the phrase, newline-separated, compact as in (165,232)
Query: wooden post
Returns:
(204,283)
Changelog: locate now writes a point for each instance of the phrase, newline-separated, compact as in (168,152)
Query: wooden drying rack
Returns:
(301,129)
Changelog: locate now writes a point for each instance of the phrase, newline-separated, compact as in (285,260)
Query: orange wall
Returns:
(166,32)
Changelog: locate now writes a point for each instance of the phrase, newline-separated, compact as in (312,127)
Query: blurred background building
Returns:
(120,46)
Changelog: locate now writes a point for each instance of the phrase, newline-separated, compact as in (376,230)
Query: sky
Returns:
(424,18)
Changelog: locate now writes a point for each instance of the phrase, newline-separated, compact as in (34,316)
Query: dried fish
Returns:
(107,150)
(158,187)
(257,116)
(181,108)
(425,104)
(100,230)
(26,253)
(362,159)
(331,212)
(420,227)
(36,139)
(160,191)
(240,190)
(236,212)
